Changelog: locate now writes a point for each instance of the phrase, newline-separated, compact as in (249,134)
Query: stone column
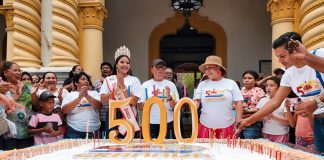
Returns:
(284,18)
(312,23)
(65,34)
(92,14)
(26,36)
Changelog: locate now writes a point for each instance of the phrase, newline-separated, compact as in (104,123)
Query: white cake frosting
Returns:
(203,149)
(167,151)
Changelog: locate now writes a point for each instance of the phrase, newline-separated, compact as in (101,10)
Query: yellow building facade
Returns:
(72,32)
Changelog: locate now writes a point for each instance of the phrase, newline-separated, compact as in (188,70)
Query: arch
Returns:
(201,23)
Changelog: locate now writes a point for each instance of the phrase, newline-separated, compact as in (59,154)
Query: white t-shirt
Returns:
(133,82)
(56,93)
(271,126)
(130,81)
(155,111)
(217,98)
(78,117)
(303,81)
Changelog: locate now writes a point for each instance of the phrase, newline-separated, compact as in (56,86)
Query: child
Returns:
(275,125)
(45,126)
(251,95)
(304,127)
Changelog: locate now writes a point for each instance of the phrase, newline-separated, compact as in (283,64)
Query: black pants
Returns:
(155,129)
(13,143)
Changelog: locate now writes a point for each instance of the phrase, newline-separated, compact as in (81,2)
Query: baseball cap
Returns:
(158,61)
(46,95)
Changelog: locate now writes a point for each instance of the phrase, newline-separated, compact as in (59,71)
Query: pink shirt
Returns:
(252,96)
(303,127)
(39,120)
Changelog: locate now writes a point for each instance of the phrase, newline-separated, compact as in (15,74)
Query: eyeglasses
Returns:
(159,67)
(14,70)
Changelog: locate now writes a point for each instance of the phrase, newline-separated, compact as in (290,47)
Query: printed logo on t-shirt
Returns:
(214,95)
(159,94)
(308,89)
(53,125)
(246,100)
(84,105)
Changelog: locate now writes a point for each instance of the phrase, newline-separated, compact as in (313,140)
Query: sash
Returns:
(127,111)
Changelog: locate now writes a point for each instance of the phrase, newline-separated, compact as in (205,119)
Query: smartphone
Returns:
(289,44)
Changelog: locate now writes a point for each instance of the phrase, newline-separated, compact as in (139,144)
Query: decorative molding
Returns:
(7,10)
(9,19)
(282,8)
(202,24)
(93,15)
(282,20)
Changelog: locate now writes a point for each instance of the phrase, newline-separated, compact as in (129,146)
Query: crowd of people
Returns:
(35,110)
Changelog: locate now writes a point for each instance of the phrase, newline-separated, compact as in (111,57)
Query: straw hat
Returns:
(212,60)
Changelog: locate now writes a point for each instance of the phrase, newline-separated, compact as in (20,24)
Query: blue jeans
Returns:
(155,129)
(319,134)
(252,132)
(74,134)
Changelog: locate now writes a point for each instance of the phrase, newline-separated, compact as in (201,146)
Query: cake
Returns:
(82,149)
(146,148)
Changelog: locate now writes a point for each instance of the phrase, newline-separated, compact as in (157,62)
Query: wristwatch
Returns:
(319,102)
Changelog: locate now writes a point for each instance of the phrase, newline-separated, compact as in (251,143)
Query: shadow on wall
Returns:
(3,37)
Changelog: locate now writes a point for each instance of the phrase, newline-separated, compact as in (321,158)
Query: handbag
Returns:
(4,127)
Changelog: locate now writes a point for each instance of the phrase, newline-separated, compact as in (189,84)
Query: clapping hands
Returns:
(48,129)
(83,92)
(36,87)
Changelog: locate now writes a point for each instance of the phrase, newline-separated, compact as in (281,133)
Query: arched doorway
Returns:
(185,51)
(186,46)
(203,26)
(165,42)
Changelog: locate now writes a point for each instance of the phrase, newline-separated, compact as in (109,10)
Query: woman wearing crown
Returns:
(121,85)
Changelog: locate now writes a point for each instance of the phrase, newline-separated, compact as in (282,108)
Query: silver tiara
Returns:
(123,50)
